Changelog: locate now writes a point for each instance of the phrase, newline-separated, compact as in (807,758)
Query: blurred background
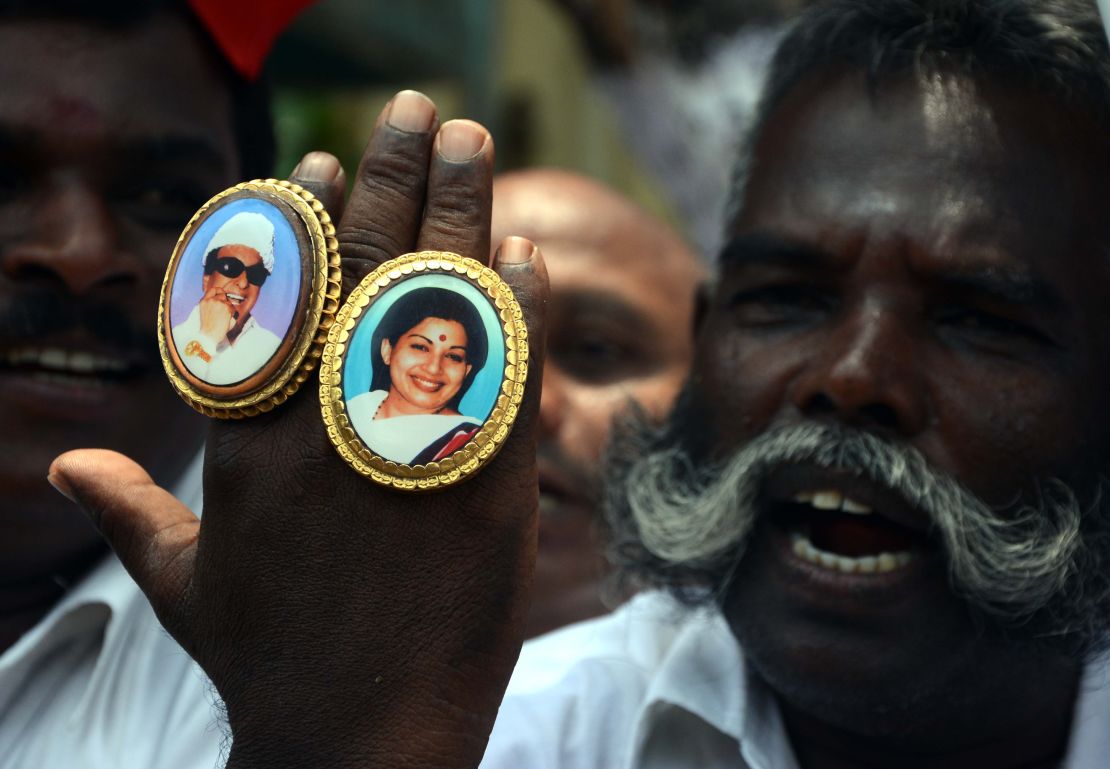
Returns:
(649,96)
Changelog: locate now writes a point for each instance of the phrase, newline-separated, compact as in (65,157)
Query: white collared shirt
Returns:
(98,684)
(655,686)
(230,363)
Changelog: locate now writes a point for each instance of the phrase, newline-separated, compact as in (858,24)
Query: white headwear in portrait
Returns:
(247,229)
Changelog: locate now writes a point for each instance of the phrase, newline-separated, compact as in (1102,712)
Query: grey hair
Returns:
(685,528)
(1056,46)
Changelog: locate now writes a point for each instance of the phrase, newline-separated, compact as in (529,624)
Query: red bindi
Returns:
(443,337)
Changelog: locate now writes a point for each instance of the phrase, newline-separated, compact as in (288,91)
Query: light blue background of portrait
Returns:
(482,395)
(278,298)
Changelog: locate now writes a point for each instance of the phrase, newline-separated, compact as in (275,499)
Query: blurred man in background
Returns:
(117,121)
(623,288)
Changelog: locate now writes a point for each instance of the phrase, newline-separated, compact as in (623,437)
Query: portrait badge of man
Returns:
(235,293)
(424,369)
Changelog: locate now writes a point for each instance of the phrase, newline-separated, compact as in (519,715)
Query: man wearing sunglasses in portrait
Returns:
(220,341)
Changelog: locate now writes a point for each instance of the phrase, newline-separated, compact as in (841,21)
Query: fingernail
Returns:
(516,250)
(412,111)
(460,140)
(60,485)
(317,167)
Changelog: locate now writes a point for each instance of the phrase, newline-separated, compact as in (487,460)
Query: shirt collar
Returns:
(1089,744)
(704,673)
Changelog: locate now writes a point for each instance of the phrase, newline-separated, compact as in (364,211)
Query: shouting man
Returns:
(885,478)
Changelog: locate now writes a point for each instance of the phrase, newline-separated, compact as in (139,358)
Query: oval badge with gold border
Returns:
(424,370)
(248,298)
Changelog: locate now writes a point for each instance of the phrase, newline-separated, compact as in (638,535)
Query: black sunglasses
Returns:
(230,267)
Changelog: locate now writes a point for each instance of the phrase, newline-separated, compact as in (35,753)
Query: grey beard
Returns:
(1037,568)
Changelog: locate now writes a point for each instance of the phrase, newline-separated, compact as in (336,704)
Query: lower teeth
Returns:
(869,564)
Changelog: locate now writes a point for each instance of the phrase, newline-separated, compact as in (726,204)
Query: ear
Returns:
(387,351)
(207,279)
(468,367)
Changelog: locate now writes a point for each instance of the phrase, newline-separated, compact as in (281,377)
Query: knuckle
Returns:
(368,245)
(391,172)
(389,194)
(456,203)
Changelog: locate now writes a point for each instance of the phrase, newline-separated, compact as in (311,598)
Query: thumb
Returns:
(154,535)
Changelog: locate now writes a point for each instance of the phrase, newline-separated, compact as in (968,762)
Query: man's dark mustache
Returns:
(32,314)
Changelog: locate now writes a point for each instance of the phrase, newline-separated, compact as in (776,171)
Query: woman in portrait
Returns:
(425,353)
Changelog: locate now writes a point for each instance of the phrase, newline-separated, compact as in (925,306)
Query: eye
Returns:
(594,357)
(979,322)
(989,329)
(779,304)
(160,203)
(456,357)
(418,346)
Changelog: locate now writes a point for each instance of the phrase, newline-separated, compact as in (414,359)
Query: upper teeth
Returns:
(830,499)
(57,359)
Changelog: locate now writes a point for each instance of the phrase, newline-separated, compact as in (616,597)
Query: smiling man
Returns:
(884,481)
(116,122)
(220,341)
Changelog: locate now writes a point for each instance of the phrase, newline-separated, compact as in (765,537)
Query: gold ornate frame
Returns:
(312,318)
(468,459)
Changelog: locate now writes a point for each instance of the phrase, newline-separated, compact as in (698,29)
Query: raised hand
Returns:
(342,623)
(216,317)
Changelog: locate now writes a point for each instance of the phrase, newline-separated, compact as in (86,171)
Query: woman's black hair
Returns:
(414,307)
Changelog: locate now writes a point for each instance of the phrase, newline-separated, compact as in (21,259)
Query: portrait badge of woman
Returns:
(433,377)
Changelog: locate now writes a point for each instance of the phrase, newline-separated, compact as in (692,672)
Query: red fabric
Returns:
(245,30)
(457,442)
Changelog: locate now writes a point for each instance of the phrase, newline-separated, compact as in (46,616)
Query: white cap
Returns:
(247,229)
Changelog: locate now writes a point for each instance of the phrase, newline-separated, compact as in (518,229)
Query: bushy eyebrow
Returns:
(180,148)
(1010,285)
(191,149)
(592,302)
(760,248)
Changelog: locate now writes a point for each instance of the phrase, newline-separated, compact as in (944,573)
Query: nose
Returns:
(868,376)
(553,400)
(434,364)
(71,238)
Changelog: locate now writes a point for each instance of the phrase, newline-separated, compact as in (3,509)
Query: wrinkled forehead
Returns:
(81,82)
(942,161)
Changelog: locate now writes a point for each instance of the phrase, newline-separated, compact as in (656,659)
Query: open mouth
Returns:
(850,526)
(234,299)
(69,366)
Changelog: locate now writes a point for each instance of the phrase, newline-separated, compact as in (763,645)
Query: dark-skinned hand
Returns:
(342,623)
